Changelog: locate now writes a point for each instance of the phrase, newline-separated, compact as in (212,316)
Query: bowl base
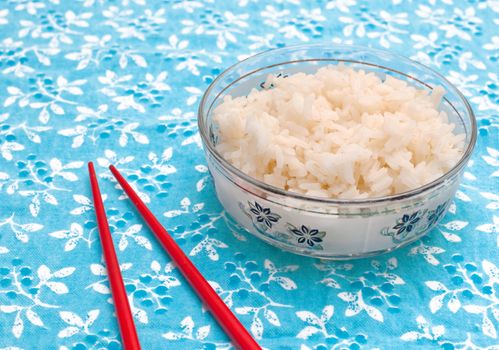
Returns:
(318,254)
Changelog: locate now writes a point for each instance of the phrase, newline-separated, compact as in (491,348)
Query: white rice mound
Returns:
(338,133)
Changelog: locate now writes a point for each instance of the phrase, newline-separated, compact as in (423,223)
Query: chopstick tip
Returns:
(91,166)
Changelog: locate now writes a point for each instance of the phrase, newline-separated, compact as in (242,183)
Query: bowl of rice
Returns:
(335,151)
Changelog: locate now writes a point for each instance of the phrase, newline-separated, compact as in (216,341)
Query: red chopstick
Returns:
(121,306)
(230,324)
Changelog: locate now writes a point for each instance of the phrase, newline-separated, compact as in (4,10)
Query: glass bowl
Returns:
(331,228)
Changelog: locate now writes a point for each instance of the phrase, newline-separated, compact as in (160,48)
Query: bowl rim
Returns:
(203,130)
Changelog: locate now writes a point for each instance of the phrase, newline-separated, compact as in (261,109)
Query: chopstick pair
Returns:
(239,336)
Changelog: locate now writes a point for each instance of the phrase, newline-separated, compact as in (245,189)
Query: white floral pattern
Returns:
(118,82)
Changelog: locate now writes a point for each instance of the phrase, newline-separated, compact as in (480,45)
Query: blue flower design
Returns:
(308,236)
(436,214)
(407,223)
(271,86)
(263,215)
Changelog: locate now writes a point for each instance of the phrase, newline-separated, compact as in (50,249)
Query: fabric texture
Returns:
(119,82)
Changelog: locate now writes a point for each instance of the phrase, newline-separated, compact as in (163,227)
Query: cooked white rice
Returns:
(338,133)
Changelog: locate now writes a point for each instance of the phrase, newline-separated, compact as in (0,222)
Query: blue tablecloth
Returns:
(119,82)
